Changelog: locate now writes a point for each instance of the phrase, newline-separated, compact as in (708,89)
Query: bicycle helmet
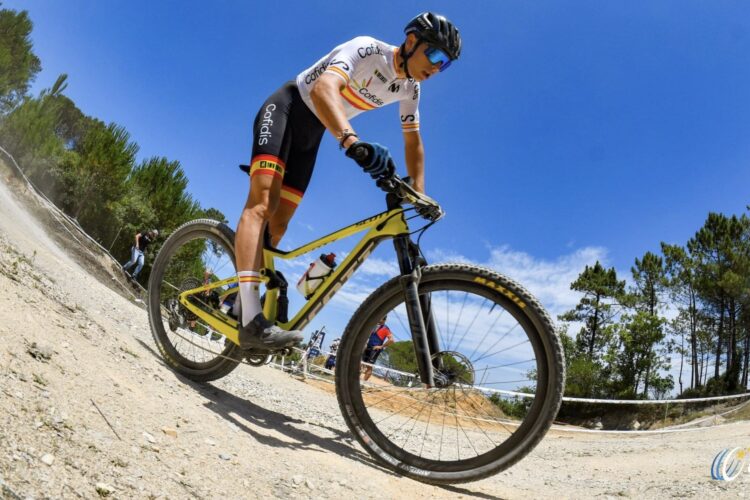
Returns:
(434,30)
(155,231)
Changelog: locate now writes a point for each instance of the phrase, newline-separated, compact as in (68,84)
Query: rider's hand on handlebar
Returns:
(373,158)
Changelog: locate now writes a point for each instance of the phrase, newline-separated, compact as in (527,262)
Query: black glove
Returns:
(373,158)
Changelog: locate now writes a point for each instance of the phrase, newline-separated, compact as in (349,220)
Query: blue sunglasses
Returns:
(438,56)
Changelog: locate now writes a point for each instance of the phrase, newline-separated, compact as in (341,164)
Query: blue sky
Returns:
(567,132)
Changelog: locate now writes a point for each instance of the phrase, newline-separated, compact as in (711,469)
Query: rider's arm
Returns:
(414,152)
(329,106)
(137,239)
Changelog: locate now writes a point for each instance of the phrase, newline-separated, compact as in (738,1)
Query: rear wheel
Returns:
(196,251)
(499,377)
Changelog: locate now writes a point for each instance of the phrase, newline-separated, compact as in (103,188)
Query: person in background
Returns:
(380,338)
(331,361)
(137,254)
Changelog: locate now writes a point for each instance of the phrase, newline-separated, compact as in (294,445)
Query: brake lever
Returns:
(387,185)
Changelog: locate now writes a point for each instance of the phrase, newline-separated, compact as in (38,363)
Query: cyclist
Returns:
(380,338)
(359,75)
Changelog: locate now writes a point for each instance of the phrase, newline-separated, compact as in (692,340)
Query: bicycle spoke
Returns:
(525,341)
(447,318)
(427,428)
(488,332)
(510,364)
(489,417)
(458,320)
(485,355)
(468,328)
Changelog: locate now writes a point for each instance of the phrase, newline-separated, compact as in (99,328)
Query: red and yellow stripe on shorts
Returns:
(290,196)
(267,165)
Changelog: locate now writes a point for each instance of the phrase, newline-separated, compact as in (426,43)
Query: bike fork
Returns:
(419,312)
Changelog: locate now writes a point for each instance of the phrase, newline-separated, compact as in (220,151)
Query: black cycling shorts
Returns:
(286,137)
(371,355)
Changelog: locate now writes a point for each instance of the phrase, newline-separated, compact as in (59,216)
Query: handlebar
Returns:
(401,188)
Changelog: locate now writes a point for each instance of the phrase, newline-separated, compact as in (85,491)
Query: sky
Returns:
(568,132)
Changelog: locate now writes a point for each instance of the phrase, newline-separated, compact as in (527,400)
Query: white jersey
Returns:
(366,66)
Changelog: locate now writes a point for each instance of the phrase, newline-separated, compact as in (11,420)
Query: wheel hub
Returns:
(452,367)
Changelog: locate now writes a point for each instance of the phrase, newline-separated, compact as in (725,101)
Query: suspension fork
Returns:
(418,310)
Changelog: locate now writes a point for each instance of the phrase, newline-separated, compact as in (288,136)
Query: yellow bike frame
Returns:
(385,225)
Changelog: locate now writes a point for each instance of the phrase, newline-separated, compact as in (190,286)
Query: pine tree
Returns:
(18,63)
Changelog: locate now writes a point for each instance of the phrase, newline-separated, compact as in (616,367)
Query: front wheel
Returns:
(499,375)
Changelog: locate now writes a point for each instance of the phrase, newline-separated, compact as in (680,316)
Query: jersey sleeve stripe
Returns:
(339,72)
(356,101)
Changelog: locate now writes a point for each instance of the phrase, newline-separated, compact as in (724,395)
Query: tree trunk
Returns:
(682,359)
(747,358)
(732,349)
(705,366)
(695,379)
(594,327)
(719,337)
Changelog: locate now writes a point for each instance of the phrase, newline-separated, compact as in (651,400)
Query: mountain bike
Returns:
(476,375)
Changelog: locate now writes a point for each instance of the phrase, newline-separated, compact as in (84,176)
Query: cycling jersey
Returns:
(366,66)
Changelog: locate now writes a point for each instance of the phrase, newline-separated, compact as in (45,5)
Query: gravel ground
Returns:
(88,409)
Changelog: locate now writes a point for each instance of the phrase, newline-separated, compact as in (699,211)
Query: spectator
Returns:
(137,253)
(333,348)
(380,338)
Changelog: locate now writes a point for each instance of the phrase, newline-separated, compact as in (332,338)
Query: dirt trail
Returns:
(87,408)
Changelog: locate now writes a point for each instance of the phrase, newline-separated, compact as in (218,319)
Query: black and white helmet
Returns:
(437,31)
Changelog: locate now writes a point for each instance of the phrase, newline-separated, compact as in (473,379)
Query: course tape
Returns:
(565,398)
(58,214)
(555,427)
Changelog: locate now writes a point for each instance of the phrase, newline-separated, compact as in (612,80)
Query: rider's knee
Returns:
(262,209)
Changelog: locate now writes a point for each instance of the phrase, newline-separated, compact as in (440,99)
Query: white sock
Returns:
(249,295)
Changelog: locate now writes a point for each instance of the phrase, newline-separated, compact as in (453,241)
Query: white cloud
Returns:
(547,279)
(378,267)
